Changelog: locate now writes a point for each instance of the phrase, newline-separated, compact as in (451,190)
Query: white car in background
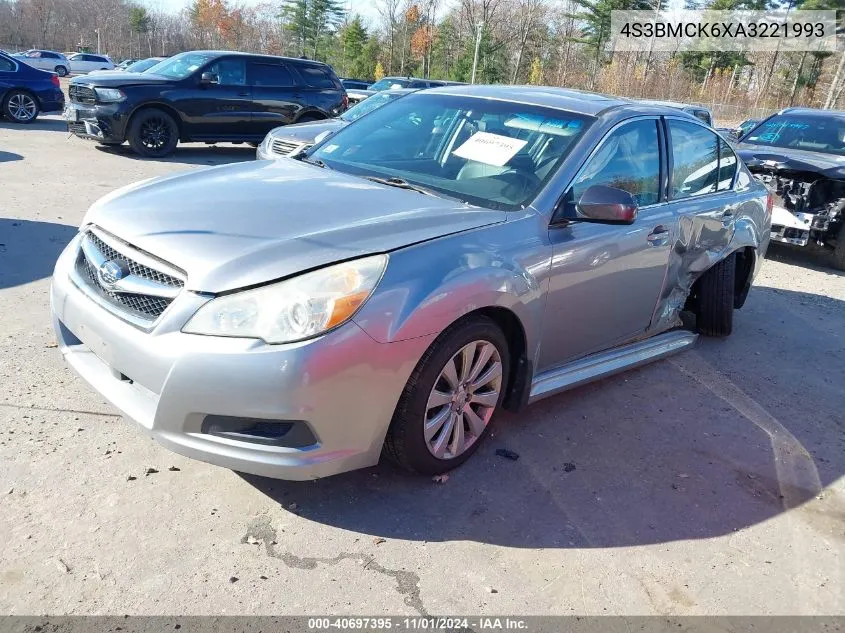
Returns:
(45,60)
(88,62)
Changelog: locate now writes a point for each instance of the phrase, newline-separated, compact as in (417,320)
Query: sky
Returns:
(367,9)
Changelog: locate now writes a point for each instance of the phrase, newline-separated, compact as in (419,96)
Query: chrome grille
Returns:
(283,147)
(145,292)
(81,94)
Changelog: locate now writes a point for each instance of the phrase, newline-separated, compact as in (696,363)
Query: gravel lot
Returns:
(710,483)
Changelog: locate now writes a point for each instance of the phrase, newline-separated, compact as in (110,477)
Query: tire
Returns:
(421,405)
(20,106)
(153,133)
(839,249)
(714,316)
(61,71)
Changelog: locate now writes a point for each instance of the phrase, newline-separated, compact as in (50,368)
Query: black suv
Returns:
(206,96)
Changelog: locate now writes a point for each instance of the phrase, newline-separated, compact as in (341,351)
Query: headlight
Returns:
(294,309)
(109,95)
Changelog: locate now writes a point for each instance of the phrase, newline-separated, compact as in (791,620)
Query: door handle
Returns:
(243,94)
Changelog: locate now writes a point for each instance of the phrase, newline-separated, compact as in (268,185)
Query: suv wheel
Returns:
(20,106)
(153,133)
(61,71)
(450,398)
(714,314)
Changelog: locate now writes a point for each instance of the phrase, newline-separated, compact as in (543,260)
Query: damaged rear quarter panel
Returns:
(706,236)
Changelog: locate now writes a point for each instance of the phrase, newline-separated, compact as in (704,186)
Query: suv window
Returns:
(317,77)
(695,154)
(702,115)
(230,72)
(727,166)
(48,55)
(6,65)
(628,159)
(34,54)
(95,58)
(275,75)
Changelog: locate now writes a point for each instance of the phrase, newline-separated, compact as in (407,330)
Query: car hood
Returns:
(240,225)
(307,132)
(783,158)
(114,79)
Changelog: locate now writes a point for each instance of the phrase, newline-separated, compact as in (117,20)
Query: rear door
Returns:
(276,94)
(221,110)
(321,88)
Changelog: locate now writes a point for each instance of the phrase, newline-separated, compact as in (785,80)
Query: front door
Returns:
(221,110)
(605,279)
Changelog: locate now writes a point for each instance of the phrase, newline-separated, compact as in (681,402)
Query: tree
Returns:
(536,76)
(139,22)
(353,37)
(379,74)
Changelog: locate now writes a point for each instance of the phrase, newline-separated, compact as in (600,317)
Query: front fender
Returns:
(429,286)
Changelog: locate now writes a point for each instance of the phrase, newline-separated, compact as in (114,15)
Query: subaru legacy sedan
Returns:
(456,251)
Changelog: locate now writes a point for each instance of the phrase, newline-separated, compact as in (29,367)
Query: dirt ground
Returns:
(709,483)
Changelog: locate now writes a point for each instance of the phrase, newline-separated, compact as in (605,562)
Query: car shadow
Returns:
(8,157)
(703,444)
(43,123)
(813,257)
(28,249)
(191,154)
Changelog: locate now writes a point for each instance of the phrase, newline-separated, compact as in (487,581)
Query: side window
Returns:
(275,75)
(231,72)
(695,157)
(316,77)
(6,65)
(47,55)
(34,54)
(628,159)
(727,166)
(703,116)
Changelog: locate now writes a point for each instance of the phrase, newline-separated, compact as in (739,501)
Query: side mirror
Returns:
(601,203)
(207,79)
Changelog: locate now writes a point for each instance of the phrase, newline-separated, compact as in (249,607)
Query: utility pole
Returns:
(479,29)
(97,31)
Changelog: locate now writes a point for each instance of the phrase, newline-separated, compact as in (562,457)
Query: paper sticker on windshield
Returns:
(491,149)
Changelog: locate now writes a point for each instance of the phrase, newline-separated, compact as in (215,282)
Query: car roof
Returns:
(673,104)
(560,98)
(298,60)
(813,112)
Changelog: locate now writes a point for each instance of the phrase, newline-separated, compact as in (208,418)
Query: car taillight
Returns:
(770,202)
(345,101)
(55,79)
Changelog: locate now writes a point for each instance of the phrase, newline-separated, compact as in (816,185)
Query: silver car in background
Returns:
(288,140)
(45,60)
(459,250)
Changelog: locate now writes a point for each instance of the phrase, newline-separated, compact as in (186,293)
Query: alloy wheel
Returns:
(463,400)
(155,133)
(22,107)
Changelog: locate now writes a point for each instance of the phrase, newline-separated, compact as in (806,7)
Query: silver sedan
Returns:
(456,251)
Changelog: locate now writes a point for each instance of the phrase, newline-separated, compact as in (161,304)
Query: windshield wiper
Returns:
(316,161)
(401,184)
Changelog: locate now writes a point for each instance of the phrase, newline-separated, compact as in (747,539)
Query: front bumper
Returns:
(344,385)
(101,122)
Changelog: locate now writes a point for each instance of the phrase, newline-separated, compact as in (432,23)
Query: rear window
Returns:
(274,75)
(6,65)
(318,77)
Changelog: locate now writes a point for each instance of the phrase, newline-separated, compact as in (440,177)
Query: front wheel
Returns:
(450,398)
(20,107)
(153,133)
(715,306)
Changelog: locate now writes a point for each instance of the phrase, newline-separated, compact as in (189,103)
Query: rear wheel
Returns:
(20,106)
(715,306)
(450,398)
(61,71)
(153,133)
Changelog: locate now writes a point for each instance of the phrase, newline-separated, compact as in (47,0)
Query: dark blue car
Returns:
(25,91)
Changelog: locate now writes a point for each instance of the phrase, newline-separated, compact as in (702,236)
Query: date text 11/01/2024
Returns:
(427,623)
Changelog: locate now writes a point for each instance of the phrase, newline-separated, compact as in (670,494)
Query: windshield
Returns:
(141,66)
(488,153)
(368,105)
(181,65)
(389,82)
(811,133)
